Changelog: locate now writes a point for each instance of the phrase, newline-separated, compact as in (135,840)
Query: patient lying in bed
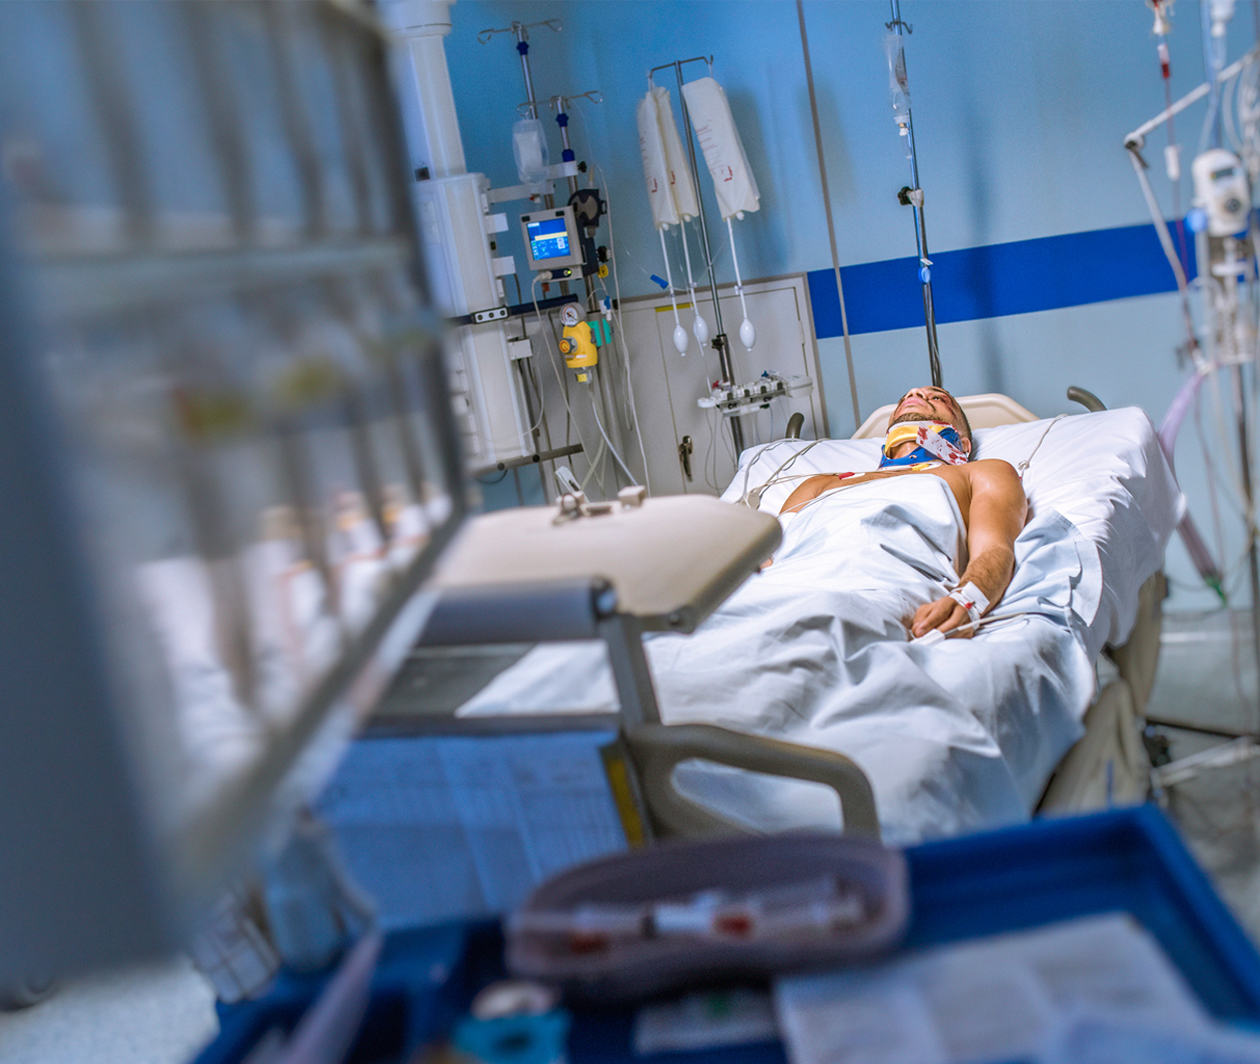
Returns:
(988,493)
(953,734)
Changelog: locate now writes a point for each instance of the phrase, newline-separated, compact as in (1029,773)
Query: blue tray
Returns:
(1129,860)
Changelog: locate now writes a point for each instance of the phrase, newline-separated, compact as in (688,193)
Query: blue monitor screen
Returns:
(549,239)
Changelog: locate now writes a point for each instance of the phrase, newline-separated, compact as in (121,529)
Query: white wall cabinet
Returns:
(668,385)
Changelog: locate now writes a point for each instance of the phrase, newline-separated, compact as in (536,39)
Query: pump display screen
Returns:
(551,239)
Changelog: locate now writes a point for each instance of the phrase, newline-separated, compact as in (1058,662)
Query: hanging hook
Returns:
(894,9)
(559,103)
(520,28)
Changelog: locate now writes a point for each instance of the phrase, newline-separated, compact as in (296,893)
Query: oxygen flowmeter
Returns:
(577,344)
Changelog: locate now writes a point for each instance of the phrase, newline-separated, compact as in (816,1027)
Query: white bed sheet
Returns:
(954,736)
(1103,471)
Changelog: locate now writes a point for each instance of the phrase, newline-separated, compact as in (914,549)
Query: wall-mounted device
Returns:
(551,239)
(1221,189)
(577,345)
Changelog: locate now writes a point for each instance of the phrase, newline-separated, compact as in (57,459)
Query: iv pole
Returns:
(912,195)
(721,343)
(1247,743)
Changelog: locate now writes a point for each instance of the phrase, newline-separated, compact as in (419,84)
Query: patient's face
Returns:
(930,404)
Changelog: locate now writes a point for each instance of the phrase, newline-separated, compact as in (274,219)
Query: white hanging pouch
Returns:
(675,157)
(655,167)
(733,182)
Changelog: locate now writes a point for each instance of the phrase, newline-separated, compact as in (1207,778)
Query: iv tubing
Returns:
(669,280)
(739,284)
(592,457)
(634,406)
(677,66)
(621,340)
(1213,62)
(691,284)
(611,449)
(1174,260)
(831,222)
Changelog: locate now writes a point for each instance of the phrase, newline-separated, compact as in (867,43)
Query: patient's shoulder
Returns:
(993,467)
(994,476)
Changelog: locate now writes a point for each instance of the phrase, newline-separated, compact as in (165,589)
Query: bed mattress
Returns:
(954,736)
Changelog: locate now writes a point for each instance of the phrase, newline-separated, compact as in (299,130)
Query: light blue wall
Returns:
(1020,110)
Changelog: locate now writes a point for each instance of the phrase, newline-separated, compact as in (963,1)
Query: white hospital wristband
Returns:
(971,599)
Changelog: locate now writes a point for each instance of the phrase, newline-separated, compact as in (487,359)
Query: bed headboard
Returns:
(984,411)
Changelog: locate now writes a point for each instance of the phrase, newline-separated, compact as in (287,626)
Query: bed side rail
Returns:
(658,749)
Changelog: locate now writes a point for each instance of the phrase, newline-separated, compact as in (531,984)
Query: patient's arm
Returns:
(995,515)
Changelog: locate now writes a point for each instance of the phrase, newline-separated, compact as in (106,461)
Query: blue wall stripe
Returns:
(997,279)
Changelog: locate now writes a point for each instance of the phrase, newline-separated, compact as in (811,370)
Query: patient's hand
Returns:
(943,615)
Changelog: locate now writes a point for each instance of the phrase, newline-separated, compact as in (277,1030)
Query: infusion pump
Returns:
(1222,191)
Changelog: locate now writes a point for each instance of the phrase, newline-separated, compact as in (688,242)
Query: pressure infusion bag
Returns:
(733,182)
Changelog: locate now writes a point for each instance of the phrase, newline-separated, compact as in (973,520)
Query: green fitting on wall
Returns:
(601,332)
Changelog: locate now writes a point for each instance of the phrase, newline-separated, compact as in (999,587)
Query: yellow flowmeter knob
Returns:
(577,344)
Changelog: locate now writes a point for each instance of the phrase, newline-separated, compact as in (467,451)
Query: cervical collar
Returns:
(935,442)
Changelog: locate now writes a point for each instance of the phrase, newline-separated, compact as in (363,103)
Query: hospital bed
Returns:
(1109,762)
(953,737)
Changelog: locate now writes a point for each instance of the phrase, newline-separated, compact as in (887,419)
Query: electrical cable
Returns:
(755,494)
(1022,467)
(1226,449)
(709,468)
(1165,242)
(611,449)
(729,445)
(554,353)
(590,472)
(748,466)
(634,406)
(937,636)
(774,478)
(1217,525)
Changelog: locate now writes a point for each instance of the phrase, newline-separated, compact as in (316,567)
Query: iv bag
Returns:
(898,80)
(683,187)
(655,166)
(733,182)
(529,147)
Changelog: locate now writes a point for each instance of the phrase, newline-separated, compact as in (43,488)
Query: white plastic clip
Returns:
(632,496)
(971,599)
